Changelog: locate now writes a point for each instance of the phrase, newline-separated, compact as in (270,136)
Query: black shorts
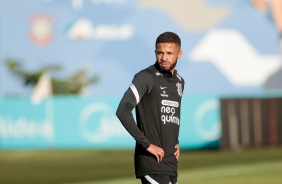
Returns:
(158,179)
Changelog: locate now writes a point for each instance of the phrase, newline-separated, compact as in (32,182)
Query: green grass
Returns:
(250,166)
(258,173)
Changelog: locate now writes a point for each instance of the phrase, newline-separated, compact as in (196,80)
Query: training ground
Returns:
(249,166)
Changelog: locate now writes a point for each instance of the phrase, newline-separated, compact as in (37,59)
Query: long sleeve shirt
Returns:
(156,97)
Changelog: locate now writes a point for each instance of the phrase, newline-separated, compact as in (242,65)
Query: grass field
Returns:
(251,166)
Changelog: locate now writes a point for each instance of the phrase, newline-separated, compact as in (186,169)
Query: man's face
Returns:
(167,55)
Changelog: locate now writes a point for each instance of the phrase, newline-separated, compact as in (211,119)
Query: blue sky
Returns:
(116,61)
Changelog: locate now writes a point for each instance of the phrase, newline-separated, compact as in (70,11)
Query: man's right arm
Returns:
(124,113)
(141,84)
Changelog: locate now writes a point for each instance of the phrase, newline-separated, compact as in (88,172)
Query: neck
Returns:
(172,71)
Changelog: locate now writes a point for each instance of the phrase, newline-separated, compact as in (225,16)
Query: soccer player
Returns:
(156,94)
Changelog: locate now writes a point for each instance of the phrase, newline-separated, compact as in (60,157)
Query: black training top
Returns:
(157,98)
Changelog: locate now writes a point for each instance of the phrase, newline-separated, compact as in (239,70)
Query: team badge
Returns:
(179,88)
(41,31)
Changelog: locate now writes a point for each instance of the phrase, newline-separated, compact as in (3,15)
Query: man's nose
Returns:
(164,56)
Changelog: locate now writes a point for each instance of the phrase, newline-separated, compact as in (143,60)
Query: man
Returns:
(156,94)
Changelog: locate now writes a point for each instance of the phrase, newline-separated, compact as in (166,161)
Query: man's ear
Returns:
(179,54)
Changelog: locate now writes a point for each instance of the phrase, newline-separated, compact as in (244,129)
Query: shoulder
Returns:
(145,74)
(180,78)
(144,80)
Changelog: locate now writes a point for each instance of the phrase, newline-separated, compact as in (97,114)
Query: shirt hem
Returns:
(171,173)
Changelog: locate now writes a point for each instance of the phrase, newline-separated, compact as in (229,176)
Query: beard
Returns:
(172,66)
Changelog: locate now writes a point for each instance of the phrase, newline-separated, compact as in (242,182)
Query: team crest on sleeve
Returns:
(179,88)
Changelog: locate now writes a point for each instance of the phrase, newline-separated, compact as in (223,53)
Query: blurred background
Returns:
(65,64)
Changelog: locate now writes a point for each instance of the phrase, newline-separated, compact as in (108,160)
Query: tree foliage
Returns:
(73,84)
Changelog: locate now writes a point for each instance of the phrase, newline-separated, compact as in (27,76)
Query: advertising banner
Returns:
(74,122)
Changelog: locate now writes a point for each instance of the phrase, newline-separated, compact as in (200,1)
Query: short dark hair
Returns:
(168,37)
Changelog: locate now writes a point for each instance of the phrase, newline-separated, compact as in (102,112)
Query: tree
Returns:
(74,84)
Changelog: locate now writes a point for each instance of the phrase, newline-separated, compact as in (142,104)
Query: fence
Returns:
(251,122)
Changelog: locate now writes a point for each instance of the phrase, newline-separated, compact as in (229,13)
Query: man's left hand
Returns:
(177,152)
